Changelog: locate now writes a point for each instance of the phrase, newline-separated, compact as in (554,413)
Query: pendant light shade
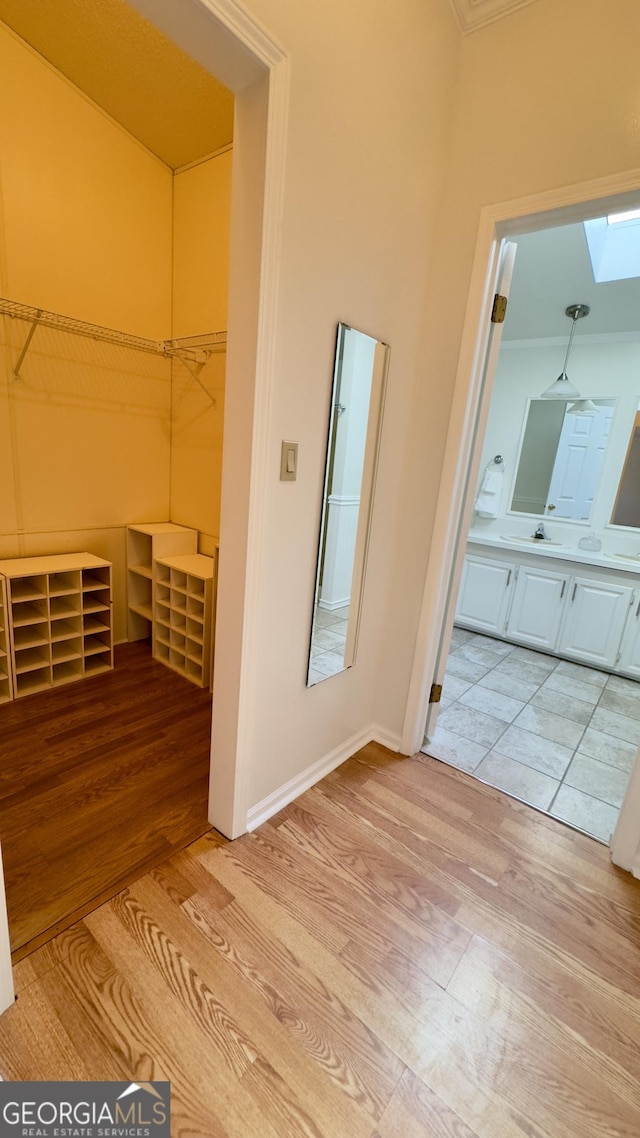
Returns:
(582,407)
(562,389)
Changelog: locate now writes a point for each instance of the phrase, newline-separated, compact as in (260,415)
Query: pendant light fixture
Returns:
(562,389)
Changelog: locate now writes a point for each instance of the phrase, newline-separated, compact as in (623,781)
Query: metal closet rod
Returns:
(195,349)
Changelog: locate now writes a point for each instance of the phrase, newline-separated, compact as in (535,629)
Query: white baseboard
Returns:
(307,778)
(385,738)
(329,606)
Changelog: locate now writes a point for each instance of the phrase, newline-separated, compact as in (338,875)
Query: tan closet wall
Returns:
(86,230)
(202,203)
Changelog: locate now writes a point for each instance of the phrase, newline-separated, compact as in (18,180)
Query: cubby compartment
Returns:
(188,602)
(63,607)
(28,612)
(46,637)
(100,662)
(32,588)
(63,584)
(27,683)
(66,671)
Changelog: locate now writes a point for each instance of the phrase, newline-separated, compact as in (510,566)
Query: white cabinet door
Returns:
(629,661)
(595,617)
(538,603)
(484,594)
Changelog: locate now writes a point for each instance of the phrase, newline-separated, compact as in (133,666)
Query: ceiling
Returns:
(124,64)
(553,270)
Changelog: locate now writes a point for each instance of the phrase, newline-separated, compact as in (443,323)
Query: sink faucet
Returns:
(540,534)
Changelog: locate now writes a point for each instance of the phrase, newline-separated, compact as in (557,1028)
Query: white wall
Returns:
(511,139)
(601,367)
(364,167)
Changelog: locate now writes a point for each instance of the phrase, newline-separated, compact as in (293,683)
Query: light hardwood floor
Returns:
(402,953)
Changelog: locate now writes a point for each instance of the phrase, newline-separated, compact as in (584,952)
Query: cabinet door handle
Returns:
(573,595)
(509,579)
(564,585)
(638,610)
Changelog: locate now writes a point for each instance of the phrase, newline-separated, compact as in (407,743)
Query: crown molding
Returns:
(473,14)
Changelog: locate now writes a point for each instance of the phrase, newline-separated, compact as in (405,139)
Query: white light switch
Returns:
(288,461)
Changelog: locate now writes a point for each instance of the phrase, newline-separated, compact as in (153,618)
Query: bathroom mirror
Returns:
(355,418)
(561,459)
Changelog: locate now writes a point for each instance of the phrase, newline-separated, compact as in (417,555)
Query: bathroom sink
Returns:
(543,543)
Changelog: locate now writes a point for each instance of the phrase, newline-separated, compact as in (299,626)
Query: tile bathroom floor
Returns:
(557,735)
(328,641)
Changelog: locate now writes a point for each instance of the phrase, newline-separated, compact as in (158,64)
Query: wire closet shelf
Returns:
(195,349)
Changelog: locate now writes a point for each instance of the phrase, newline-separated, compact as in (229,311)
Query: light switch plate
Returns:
(288,461)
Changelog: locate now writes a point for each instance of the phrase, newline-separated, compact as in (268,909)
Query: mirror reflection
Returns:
(561,459)
(626,510)
(354,427)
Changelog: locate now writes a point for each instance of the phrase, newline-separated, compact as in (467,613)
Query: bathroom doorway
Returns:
(540,693)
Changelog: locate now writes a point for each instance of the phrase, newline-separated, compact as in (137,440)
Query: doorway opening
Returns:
(245,68)
(538,665)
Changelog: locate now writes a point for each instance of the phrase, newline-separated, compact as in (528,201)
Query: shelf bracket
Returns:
(25,347)
(195,369)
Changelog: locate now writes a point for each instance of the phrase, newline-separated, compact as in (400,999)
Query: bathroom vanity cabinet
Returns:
(568,609)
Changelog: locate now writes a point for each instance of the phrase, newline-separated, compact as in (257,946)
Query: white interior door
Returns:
(578,464)
(503,286)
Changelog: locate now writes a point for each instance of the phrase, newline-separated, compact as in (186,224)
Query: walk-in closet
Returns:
(115,185)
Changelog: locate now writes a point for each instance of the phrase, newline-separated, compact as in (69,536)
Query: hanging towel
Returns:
(488,499)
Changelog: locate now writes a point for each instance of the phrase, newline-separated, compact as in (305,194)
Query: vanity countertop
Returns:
(558,552)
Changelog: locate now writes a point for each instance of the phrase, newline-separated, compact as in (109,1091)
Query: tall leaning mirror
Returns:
(355,419)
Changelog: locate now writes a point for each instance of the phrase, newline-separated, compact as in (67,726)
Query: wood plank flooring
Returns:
(401,953)
(99,781)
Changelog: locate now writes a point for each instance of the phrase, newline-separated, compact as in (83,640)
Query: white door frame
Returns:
(540,211)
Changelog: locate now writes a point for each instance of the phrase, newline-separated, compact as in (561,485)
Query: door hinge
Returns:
(499,310)
(435,695)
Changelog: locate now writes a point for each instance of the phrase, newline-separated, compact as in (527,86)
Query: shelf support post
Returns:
(25,347)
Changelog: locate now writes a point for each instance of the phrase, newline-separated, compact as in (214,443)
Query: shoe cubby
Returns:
(56,616)
(145,544)
(183,605)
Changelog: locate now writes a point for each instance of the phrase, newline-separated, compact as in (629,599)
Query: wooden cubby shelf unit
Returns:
(183,597)
(145,543)
(56,618)
(6,685)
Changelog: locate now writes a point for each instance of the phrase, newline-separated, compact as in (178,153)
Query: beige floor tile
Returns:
(452,749)
(597,779)
(472,724)
(492,702)
(522,670)
(525,783)
(507,684)
(620,726)
(550,726)
(453,687)
(538,659)
(587,813)
(560,704)
(573,688)
(623,703)
(607,749)
(582,672)
(533,751)
(465,669)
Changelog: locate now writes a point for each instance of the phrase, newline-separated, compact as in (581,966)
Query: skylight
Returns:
(614,246)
